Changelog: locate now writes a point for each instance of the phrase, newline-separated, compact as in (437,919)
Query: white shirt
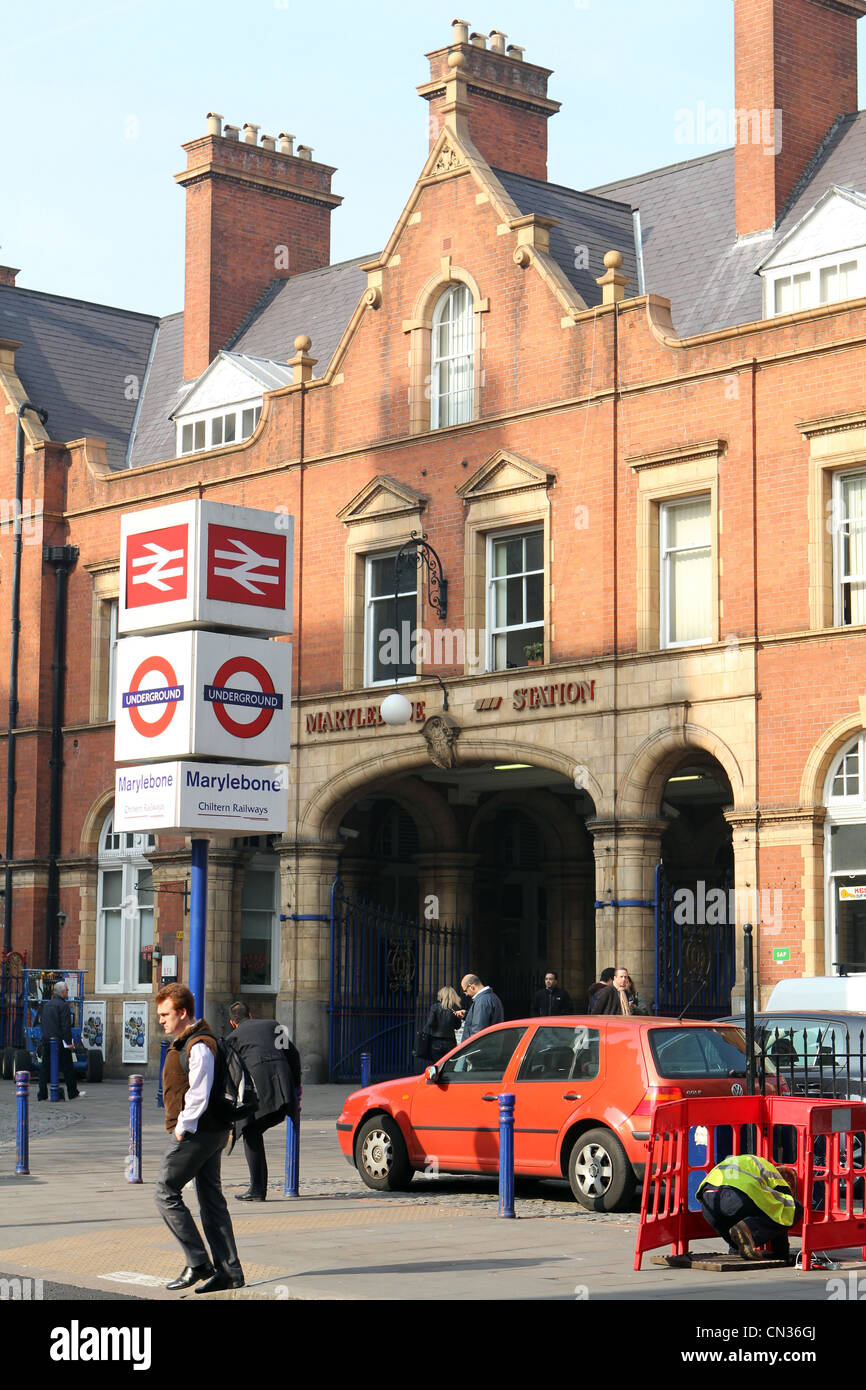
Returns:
(200,1081)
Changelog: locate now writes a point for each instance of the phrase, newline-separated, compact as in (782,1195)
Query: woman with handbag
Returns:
(437,1036)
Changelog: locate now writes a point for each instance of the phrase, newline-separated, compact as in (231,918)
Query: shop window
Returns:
(515,599)
(849,558)
(452,358)
(845,832)
(685,581)
(390,627)
(124,944)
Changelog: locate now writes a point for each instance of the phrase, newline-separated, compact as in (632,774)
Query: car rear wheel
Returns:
(381,1157)
(22,1060)
(8,1063)
(599,1172)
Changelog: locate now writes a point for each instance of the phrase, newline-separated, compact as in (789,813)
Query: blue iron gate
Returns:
(386,970)
(695,943)
(12,1000)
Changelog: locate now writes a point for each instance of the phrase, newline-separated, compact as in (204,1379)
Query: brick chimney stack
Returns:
(797,57)
(254,213)
(503,99)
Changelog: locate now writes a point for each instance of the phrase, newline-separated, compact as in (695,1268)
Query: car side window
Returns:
(562,1054)
(484,1058)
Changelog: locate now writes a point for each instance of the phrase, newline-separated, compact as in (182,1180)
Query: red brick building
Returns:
(629,421)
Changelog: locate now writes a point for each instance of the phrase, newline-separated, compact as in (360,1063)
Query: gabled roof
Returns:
(244,376)
(83,363)
(790,245)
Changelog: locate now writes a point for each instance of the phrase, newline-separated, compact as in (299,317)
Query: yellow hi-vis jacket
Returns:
(756,1178)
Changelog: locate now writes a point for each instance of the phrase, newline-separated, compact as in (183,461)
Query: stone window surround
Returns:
(670,475)
(836,445)
(370,536)
(495,515)
(420,329)
(106,590)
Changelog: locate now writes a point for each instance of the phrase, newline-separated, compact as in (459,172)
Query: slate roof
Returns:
(77,361)
(76,358)
(585,223)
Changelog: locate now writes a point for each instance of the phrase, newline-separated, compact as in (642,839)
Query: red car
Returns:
(584,1089)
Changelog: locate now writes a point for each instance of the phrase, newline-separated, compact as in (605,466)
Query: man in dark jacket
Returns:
(553,999)
(275,1066)
(486,1007)
(57,1023)
(614,998)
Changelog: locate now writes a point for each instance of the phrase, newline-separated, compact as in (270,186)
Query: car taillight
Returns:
(657,1095)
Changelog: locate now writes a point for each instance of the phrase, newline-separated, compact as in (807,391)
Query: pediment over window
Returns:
(382,498)
(503,475)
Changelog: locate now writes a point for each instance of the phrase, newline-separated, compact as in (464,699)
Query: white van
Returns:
(819,994)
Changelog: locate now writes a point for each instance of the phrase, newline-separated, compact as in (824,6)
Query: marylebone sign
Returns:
(185,691)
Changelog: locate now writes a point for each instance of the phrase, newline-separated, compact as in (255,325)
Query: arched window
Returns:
(845,854)
(124,936)
(452,358)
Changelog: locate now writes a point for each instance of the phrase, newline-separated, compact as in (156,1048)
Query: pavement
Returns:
(77,1221)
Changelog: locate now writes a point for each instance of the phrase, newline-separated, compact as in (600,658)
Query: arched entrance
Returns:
(487,867)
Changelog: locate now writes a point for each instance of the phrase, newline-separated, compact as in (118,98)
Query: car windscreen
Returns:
(698,1052)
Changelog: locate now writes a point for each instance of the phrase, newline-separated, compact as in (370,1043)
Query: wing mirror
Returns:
(432,1076)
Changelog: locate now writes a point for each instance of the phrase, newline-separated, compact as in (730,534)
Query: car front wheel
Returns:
(599,1172)
(381,1157)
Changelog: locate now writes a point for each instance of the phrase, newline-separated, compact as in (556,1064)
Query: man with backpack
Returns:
(273,1062)
(194,1097)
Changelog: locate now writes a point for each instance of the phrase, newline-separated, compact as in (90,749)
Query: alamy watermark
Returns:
(720,906)
(713,125)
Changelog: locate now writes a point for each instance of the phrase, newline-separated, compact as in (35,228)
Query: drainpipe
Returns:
(13,666)
(63,558)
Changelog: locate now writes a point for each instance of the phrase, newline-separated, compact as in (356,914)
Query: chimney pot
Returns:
(231,132)
(478,40)
(497,41)
(514,52)
(287,143)
(305,152)
(251,133)
(214,123)
(460,31)
(268,142)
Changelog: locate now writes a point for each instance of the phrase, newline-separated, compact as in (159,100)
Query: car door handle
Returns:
(572,1095)
(489,1097)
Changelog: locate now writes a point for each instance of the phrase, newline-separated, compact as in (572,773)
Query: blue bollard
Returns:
(22,1096)
(506,1155)
(293,1153)
(54,1080)
(365,1070)
(163,1053)
(133,1163)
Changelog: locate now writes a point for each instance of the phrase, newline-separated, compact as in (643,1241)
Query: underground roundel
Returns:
(243,697)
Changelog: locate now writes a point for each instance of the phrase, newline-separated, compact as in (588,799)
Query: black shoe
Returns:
(191,1275)
(250,1196)
(221,1281)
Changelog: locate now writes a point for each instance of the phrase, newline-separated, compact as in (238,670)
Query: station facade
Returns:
(627,426)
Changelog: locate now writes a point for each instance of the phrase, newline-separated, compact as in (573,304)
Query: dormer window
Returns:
(822,260)
(820,284)
(226,427)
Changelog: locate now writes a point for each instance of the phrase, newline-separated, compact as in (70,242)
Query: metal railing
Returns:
(812,1067)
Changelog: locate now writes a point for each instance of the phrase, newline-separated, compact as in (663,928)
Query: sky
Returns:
(96,100)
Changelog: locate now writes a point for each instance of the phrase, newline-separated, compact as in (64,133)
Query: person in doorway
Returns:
(613,999)
(604,979)
(552,999)
(749,1202)
(275,1066)
(441,1026)
(195,1148)
(57,1023)
(485,1009)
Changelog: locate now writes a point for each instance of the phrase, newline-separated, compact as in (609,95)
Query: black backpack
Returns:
(233,1094)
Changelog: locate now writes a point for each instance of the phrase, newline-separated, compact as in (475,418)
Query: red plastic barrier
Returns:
(823,1140)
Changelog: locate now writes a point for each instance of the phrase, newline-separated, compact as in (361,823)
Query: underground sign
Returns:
(258,693)
(160,697)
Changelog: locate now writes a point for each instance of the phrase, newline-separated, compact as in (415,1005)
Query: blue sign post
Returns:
(198,923)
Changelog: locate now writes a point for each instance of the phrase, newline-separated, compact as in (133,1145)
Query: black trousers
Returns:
(66,1069)
(196,1158)
(723,1207)
(254,1150)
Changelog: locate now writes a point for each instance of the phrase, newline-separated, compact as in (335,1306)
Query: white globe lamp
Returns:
(396,709)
